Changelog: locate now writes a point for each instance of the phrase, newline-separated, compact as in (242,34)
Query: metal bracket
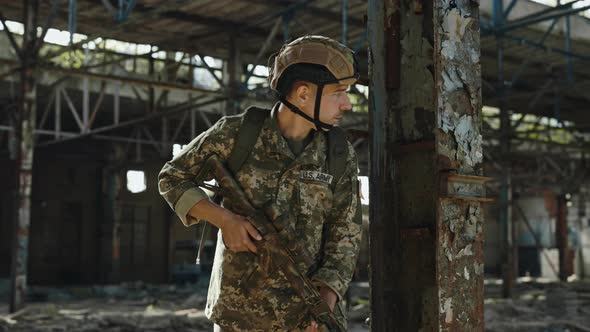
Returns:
(464,187)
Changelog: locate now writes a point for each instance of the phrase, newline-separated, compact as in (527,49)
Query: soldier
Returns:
(288,166)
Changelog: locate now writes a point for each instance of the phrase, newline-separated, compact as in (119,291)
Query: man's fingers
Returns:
(247,242)
(250,246)
(252,231)
(313,327)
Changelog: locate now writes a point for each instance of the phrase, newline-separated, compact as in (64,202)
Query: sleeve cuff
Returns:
(188,199)
(331,279)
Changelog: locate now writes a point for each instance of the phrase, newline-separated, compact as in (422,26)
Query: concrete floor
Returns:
(546,307)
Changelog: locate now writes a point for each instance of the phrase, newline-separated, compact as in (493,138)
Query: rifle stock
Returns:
(277,244)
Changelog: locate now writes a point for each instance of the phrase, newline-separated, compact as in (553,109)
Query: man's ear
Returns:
(303,93)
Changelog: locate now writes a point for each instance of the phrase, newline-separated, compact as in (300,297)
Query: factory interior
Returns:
(471,122)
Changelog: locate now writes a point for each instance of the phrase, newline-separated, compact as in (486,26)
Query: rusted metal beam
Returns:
(561,238)
(427,160)
(385,234)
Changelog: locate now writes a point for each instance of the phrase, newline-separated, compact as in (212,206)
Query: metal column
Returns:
(508,230)
(24,128)
(233,75)
(426,230)
(561,239)
(384,232)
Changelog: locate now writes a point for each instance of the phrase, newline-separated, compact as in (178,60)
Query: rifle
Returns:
(278,248)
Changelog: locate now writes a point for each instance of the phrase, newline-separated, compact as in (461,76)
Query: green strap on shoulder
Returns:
(247,135)
(337,153)
(244,143)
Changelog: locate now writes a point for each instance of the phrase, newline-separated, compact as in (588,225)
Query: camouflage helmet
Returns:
(339,60)
(315,59)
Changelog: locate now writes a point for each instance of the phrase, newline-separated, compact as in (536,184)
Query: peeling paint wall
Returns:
(459,87)
(459,146)
(460,266)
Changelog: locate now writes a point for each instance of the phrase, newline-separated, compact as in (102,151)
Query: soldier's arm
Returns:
(177,179)
(342,232)
(177,184)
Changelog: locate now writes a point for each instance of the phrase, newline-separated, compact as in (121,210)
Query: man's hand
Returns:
(236,230)
(314,327)
(238,233)
(328,295)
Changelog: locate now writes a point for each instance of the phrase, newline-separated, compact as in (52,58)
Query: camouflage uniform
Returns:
(241,297)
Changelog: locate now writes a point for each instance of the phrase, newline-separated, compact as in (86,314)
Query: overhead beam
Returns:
(318,13)
(140,16)
(558,12)
(118,78)
(213,22)
(178,109)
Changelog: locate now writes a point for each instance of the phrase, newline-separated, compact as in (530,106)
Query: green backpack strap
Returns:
(337,153)
(247,135)
(252,122)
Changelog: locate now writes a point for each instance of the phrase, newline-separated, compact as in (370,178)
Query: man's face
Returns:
(334,103)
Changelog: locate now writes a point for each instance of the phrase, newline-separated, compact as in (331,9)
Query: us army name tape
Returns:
(316,176)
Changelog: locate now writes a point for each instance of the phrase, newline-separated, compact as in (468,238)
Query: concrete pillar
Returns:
(24,128)
(426,164)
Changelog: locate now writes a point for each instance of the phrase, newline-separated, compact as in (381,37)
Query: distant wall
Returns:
(540,212)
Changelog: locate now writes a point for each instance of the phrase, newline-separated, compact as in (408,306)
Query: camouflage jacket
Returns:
(241,297)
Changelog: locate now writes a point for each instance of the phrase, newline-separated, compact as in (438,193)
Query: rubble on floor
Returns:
(536,306)
(128,307)
(132,307)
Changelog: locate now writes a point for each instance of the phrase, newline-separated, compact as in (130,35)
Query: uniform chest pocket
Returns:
(315,198)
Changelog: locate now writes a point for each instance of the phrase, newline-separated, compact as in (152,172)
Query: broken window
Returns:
(136,181)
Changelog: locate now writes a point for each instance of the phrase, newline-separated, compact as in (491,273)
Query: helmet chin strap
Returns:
(319,125)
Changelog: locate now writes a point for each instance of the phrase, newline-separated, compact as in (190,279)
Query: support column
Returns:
(426,231)
(24,129)
(232,76)
(509,249)
(561,239)
(113,180)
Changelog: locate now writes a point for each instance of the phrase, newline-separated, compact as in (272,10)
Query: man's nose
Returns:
(347,105)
